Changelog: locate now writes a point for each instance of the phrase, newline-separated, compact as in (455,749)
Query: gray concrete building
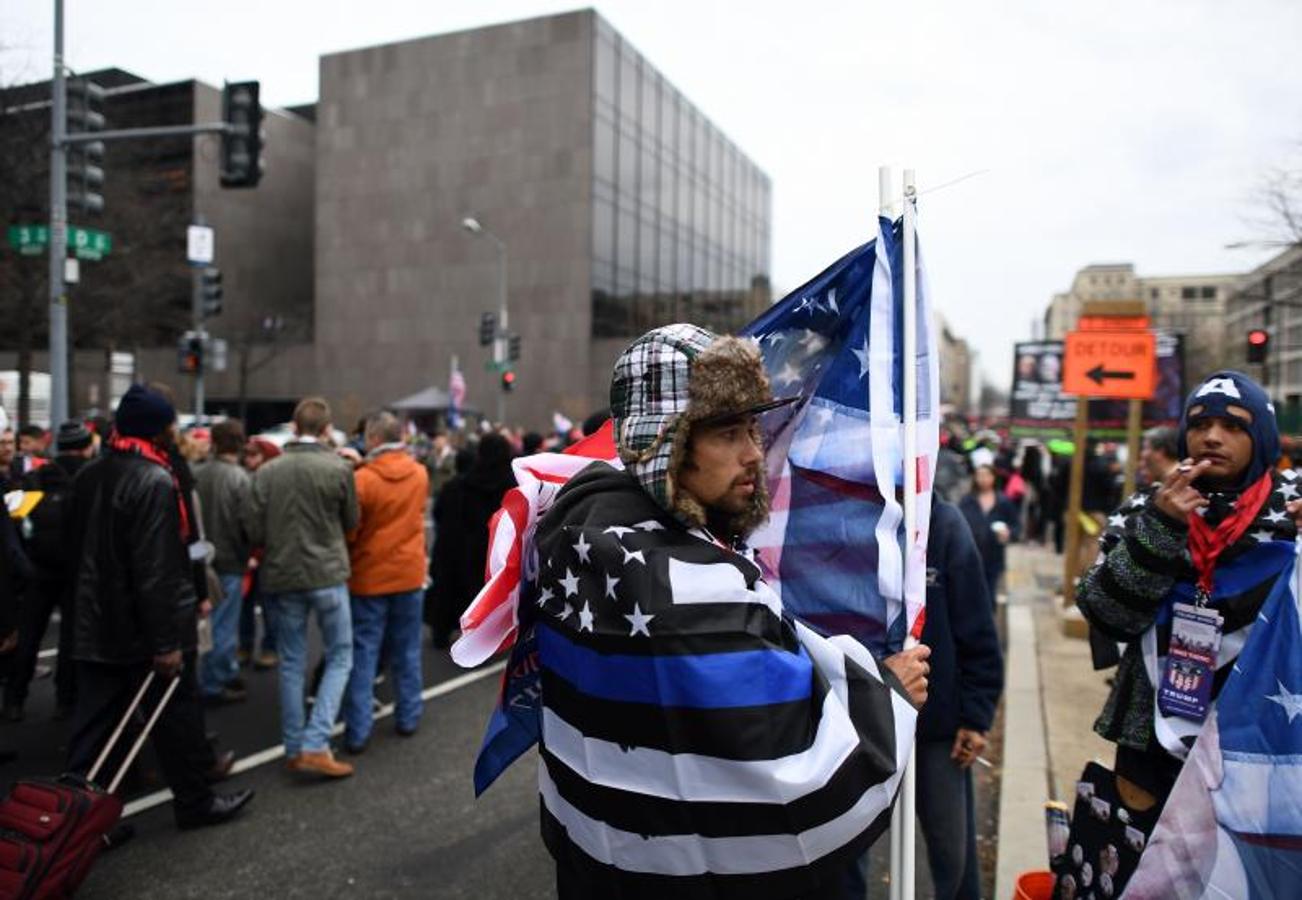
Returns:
(620,206)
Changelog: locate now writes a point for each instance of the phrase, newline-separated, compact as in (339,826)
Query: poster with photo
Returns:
(1038,408)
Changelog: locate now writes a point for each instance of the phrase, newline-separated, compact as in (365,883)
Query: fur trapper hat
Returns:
(669,380)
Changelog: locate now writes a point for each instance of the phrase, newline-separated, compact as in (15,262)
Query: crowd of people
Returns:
(203,553)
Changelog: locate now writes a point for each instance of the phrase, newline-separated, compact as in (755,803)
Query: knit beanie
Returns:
(143,413)
(72,435)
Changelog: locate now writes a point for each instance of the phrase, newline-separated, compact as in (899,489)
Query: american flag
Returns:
(1232,826)
(834,547)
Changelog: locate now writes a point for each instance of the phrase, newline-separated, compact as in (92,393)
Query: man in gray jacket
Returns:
(223,487)
(303,503)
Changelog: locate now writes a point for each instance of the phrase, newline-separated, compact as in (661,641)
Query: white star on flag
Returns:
(610,586)
(1276,516)
(1288,491)
(1136,502)
(582,548)
(638,621)
(630,555)
(570,582)
(618,531)
(831,302)
(1116,520)
(649,525)
(812,339)
(862,356)
(805,303)
(1262,536)
(585,617)
(1292,703)
(789,374)
(544,595)
(565,613)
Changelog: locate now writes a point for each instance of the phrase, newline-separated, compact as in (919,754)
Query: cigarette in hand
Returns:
(985,762)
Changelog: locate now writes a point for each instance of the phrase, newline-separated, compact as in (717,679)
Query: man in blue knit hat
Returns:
(136,608)
(1197,556)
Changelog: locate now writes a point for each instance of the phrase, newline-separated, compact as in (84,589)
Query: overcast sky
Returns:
(1106,131)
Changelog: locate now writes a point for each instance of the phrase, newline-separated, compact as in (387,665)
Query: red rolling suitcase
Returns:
(52,830)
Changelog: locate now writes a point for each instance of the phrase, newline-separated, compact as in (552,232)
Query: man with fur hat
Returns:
(696,740)
(1206,545)
(136,608)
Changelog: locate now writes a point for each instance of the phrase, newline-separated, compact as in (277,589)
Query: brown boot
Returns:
(320,762)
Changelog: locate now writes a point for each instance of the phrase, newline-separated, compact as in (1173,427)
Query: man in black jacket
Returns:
(46,537)
(967,677)
(136,608)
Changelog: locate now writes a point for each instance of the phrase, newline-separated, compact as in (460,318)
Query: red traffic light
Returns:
(1258,337)
(508,380)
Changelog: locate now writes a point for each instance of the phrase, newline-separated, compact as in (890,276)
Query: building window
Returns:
(1153,293)
(1188,293)
(1209,293)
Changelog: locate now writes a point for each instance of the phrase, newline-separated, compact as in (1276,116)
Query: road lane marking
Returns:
(271,754)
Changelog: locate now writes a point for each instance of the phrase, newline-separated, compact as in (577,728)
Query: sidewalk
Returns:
(1051,697)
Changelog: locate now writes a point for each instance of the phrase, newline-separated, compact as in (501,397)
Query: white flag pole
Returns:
(886,208)
(908,833)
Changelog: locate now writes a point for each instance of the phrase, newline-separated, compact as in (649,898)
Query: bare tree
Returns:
(1277,204)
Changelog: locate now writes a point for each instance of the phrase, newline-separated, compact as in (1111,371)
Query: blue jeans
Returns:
(335,621)
(249,620)
(392,623)
(219,666)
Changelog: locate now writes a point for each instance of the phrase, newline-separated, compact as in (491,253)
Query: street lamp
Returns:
(473,226)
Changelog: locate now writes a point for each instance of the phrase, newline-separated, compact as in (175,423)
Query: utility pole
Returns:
(58,230)
(196,314)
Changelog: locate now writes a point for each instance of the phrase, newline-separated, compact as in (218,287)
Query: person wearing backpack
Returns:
(45,534)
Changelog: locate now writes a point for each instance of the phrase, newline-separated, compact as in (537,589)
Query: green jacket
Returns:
(223,489)
(303,503)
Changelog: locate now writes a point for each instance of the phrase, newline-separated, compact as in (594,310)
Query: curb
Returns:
(1024,782)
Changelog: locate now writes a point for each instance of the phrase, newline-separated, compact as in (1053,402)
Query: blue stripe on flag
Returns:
(1235,576)
(713,681)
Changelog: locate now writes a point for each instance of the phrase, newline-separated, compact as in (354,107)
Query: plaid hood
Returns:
(664,382)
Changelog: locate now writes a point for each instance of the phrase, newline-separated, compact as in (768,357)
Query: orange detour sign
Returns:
(1121,364)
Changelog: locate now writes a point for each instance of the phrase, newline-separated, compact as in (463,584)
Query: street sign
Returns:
(89,243)
(29,240)
(72,270)
(1121,364)
(84,243)
(199,245)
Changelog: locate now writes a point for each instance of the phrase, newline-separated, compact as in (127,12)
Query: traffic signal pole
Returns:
(60,141)
(58,230)
(196,313)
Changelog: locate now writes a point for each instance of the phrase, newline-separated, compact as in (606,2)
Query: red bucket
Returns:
(1034,886)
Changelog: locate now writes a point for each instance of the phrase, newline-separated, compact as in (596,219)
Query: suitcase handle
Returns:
(122,724)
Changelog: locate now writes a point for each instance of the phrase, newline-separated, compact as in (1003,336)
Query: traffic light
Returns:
(189,354)
(513,348)
(212,292)
(1258,343)
(508,381)
(85,161)
(241,163)
(487,328)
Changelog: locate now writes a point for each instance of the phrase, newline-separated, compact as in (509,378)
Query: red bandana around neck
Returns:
(151,452)
(1206,543)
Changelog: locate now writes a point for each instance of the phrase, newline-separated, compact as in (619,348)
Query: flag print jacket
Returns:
(696,741)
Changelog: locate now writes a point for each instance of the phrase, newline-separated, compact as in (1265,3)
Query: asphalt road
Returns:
(407,825)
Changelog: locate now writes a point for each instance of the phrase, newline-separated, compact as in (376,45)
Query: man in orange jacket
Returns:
(387,552)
